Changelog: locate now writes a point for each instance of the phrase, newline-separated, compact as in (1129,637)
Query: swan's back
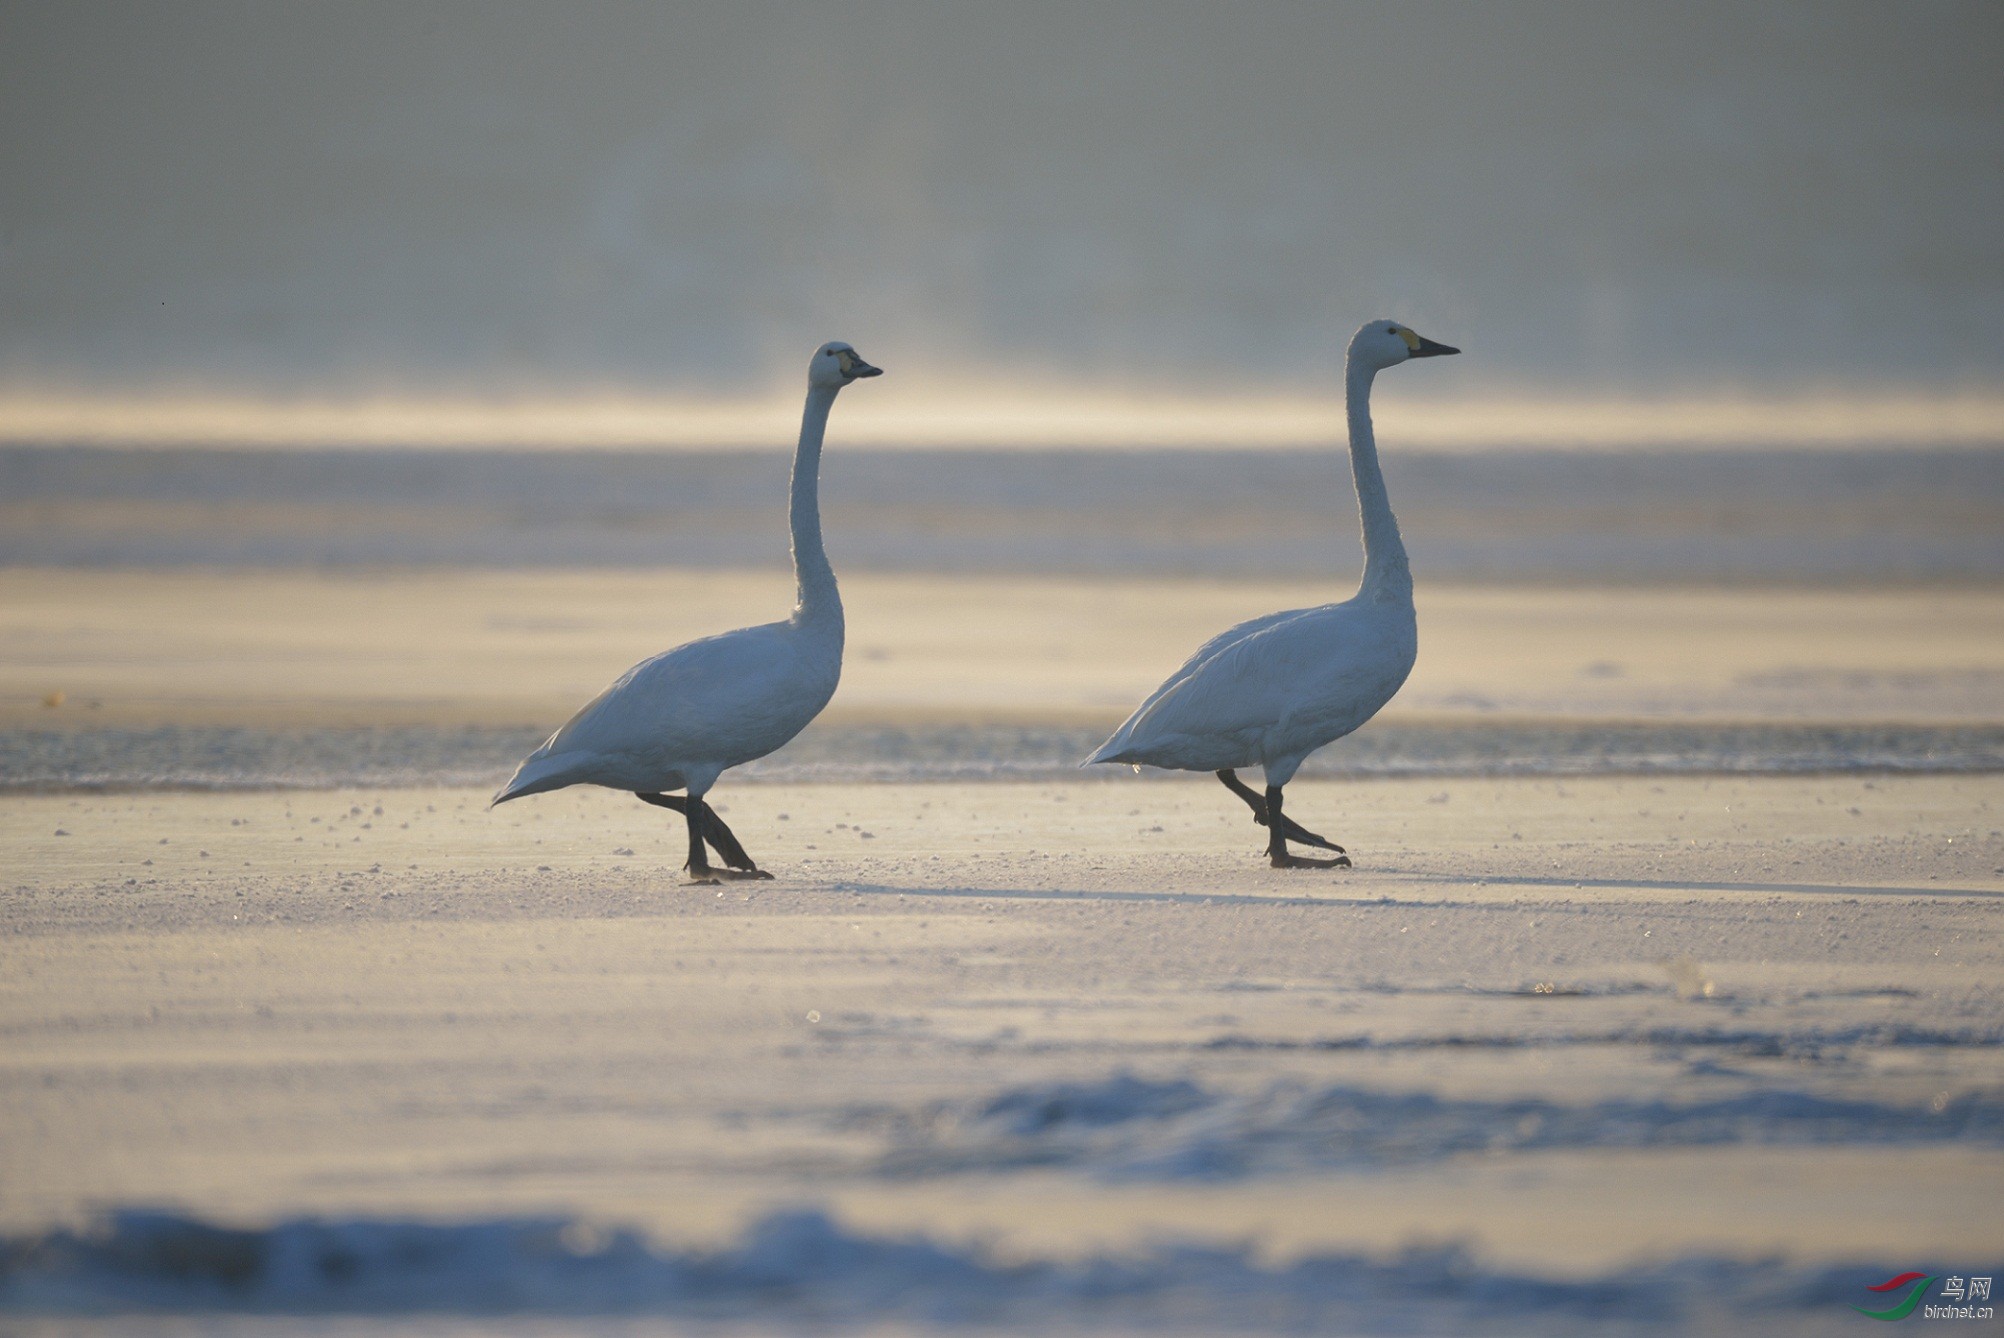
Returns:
(1272,689)
(1113,750)
(705,706)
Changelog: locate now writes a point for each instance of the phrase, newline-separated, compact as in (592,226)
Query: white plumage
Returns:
(681,719)
(1272,690)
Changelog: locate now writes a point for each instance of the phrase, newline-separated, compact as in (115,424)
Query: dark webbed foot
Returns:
(707,877)
(1293,831)
(1277,836)
(1288,861)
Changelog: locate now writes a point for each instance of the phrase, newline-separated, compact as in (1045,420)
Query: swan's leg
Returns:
(725,844)
(704,824)
(1244,791)
(699,859)
(1276,841)
(715,832)
(1292,830)
(674,801)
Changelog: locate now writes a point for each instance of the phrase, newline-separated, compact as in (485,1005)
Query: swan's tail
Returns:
(1113,750)
(539,774)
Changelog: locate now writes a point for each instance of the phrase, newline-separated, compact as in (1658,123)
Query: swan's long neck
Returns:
(1387,576)
(820,601)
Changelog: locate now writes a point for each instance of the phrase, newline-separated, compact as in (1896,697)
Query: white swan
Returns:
(681,719)
(1269,692)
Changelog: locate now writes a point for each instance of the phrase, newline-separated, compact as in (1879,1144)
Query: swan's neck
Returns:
(820,602)
(1387,576)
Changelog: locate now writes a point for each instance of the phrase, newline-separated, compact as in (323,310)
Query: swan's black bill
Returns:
(1428,349)
(854,367)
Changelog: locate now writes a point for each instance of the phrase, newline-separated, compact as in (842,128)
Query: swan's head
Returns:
(1382,344)
(835,365)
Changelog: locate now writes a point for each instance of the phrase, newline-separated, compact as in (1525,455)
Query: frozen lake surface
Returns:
(1665,1054)
(1760,515)
(220,757)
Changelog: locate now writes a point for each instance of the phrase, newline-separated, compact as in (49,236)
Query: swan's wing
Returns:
(1229,637)
(1123,736)
(1295,683)
(711,699)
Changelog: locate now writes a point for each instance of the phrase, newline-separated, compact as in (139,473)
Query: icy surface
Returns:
(1128,1128)
(800,1267)
(1670,1052)
(239,758)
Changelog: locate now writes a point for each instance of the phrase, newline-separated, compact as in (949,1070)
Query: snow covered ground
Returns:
(1664,996)
(1693,1054)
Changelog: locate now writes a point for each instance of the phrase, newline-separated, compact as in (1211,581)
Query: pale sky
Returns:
(1597,200)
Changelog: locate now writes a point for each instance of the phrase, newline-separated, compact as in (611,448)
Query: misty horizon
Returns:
(1119,200)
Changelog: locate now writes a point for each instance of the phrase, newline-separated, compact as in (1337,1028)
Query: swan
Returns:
(1271,691)
(680,720)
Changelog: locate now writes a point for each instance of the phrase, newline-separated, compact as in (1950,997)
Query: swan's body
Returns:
(681,719)
(1272,690)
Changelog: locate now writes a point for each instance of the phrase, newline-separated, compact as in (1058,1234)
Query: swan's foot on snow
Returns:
(1290,830)
(1287,861)
(1294,831)
(1277,836)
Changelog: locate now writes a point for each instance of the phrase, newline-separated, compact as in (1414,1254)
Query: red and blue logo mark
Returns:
(1904,1307)
(1954,1289)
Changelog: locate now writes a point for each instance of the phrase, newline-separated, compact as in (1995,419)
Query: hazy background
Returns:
(1678,862)
(477,197)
